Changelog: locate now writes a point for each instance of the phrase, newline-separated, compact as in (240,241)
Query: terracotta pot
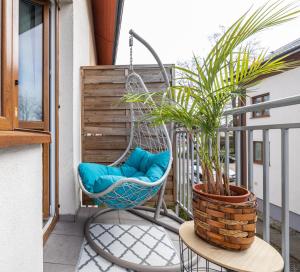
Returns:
(240,194)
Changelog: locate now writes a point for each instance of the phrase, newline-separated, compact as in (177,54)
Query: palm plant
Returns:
(199,100)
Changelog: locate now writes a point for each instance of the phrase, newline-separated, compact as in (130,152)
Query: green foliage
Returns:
(201,97)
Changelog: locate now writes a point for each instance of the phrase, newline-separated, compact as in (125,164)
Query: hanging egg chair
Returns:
(138,175)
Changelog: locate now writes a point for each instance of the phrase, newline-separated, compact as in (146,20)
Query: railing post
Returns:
(187,203)
(238,157)
(180,167)
(183,168)
(192,172)
(192,159)
(250,160)
(219,146)
(177,153)
(197,160)
(285,248)
(227,153)
(266,186)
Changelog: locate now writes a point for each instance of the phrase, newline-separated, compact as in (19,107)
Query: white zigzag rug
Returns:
(146,245)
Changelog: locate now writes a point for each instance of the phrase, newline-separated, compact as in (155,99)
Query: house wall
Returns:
(77,48)
(279,86)
(21,239)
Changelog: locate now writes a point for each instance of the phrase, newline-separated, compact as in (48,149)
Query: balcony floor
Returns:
(62,249)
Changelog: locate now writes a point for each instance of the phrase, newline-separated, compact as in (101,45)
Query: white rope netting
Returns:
(145,135)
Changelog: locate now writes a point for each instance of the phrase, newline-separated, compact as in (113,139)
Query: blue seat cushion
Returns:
(103,182)
(155,172)
(141,165)
(127,170)
(91,172)
(142,160)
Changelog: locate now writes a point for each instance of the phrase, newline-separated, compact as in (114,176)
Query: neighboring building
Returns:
(271,88)
(43,45)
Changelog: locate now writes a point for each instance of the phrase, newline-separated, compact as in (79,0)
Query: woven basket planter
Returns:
(224,224)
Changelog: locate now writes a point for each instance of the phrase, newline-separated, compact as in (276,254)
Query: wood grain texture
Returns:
(44,124)
(7,107)
(13,138)
(105,121)
(50,228)
(260,256)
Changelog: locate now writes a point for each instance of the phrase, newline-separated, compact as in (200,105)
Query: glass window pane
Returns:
(30,61)
(267,97)
(258,151)
(258,100)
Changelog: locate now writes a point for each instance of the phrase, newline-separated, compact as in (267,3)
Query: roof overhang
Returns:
(107,16)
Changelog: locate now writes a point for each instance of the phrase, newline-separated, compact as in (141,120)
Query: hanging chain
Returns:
(131,56)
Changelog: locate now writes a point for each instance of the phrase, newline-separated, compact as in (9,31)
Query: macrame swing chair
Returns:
(129,193)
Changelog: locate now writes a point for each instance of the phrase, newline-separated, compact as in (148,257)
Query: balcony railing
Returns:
(188,164)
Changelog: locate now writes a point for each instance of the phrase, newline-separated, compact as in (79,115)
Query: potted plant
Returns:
(224,214)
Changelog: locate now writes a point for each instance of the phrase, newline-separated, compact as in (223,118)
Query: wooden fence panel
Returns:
(104,120)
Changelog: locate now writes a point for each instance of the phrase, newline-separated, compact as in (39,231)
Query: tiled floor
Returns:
(62,249)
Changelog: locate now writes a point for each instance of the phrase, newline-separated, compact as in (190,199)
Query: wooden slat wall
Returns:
(104,115)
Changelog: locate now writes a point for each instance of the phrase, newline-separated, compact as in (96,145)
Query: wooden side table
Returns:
(260,256)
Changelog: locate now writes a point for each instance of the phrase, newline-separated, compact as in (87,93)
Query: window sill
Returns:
(260,117)
(23,137)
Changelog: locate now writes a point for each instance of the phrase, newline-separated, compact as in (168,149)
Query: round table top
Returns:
(260,256)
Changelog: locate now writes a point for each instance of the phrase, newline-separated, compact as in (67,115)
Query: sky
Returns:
(177,29)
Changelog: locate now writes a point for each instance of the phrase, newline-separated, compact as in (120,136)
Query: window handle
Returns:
(16,82)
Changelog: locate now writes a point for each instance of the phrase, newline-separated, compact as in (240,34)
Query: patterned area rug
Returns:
(146,245)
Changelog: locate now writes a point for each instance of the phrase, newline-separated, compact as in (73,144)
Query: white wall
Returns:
(84,54)
(77,48)
(279,86)
(21,239)
(66,175)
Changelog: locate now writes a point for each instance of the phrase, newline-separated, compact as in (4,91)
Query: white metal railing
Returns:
(188,164)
